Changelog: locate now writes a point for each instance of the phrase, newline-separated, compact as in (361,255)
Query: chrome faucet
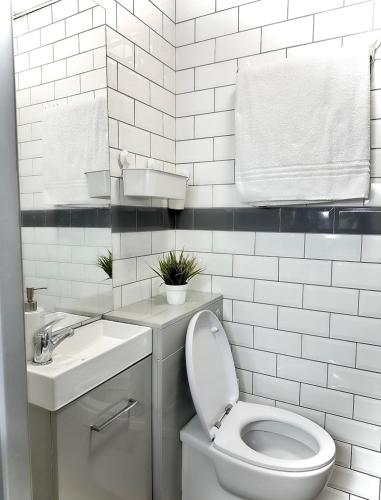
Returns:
(45,341)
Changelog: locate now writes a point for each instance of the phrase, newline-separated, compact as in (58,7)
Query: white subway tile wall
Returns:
(215,38)
(300,338)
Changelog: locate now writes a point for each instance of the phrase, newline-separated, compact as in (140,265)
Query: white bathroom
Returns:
(190,252)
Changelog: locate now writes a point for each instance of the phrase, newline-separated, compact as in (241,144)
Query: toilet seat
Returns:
(247,417)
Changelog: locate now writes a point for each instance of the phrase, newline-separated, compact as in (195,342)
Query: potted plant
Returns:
(176,270)
(105,263)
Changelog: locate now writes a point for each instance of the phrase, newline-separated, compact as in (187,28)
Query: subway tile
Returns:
(251,359)
(332,351)
(196,54)
(216,264)
(53,32)
(40,56)
(343,454)
(224,149)
(163,241)
(245,381)
(356,275)
(287,34)
(163,50)
(375,134)
(277,341)
(185,33)
(169,30)
(233,288)
(355,482)
(256,219)
(66,48)
(198,196)
(368,358)
(216,75)
(225,98)
(358,221)
(257,14)
(298,8)
(93,80)
(132,84)
(362,383)
(305,271)
(353,432)
(124,271)
(330,299)
(371,248)
(302,370)
(196,241)
(234,243)
(28,41)
(54,71)
(163,148)
(333,247)
(215,124)
(63,9)
(42,93)
(194,151)
(370,304)
(188,10)
(356,329)
(185,80)
(367,410)
(217,25)
(147,118)
(275,388)
(366,461)
(79,22)
(170,79)
(135,244)
(195,103)
(150,15)
(284,294)
(133,29)
(79,63)
(207,173)
(166,6)
(21,62)
(303,321)
(327,400)
(255,267)
(29,78)
(346,21)
(119,48)
(162,99)
(255,314)
(67,87)
(148,66)
(134,140)
(307,220)
(280,244)
(212,219)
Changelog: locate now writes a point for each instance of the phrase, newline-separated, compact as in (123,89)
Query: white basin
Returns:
(95,353)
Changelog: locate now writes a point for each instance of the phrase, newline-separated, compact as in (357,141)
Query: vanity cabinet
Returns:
(172,405)
(100,444)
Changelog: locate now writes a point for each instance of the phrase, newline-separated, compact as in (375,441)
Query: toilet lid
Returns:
(210,366)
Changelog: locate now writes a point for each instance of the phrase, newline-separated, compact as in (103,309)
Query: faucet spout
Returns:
(45,342)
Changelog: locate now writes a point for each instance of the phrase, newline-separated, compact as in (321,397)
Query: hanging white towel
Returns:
(75,138)
(303,129)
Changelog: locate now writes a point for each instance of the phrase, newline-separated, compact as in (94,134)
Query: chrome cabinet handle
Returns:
(126,409)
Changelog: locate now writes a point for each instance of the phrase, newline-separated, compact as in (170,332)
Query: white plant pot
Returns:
(176,294)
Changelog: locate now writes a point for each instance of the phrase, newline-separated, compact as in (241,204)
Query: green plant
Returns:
(177,269)
(105,263)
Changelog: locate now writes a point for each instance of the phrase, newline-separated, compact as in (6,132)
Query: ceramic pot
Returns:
(176,294)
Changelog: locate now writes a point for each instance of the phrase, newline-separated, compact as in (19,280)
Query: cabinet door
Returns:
(104,440)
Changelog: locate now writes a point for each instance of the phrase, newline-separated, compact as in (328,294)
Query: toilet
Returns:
(237,450)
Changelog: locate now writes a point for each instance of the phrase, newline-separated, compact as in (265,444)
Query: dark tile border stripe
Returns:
(67,217)
(340,220)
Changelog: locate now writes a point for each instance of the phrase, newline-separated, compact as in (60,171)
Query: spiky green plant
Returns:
(177,269)
(105,263)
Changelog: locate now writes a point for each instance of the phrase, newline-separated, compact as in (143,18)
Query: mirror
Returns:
(61,93)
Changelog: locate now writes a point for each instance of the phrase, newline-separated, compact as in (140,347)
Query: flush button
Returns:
(214,329)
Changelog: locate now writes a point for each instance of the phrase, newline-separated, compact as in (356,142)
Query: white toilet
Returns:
(236,450)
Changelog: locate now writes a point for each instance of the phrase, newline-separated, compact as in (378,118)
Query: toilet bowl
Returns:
(238,450)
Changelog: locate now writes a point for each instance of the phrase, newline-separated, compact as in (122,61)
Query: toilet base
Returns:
(199,480)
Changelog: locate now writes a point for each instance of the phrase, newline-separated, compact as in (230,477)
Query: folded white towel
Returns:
(303,129)
(75,138)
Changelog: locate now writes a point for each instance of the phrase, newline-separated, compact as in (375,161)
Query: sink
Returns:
(95,353)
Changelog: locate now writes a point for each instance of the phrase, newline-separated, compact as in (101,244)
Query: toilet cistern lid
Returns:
(211,372)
